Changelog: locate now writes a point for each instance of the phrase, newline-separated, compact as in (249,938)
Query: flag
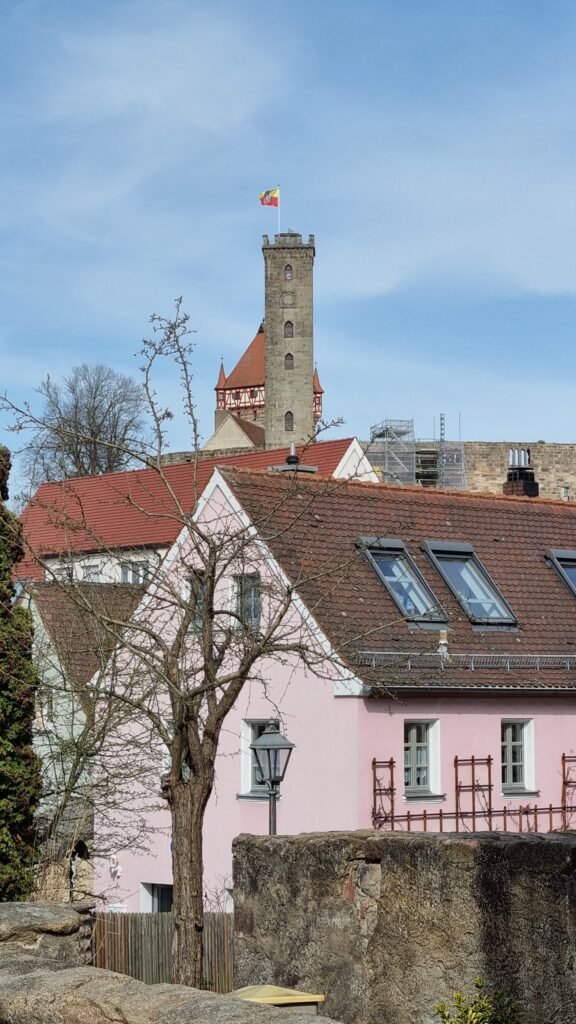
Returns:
(270,198)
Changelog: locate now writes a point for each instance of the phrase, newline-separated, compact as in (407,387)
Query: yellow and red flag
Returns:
(270,198)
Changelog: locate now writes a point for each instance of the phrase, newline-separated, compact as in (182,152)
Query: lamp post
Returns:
(272,752)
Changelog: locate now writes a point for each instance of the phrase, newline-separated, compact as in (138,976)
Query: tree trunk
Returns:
(188,803)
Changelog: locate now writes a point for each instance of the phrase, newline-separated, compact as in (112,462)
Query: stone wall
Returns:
(43,980)
(554,465)
(388,925)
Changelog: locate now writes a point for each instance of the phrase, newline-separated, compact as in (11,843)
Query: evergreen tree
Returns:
(20,783)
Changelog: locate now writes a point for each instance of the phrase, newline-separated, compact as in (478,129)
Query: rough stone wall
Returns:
(554,465)
(43,980)
(48,935)
(288,300)
(388,925)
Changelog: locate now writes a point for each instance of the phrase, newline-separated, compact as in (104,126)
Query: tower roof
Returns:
(221,382)
(250,370)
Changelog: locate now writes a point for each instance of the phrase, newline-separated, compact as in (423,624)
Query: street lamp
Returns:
(272,752)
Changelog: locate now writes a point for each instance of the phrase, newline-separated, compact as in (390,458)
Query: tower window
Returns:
(288,329)
(287,272)
(288,361)
(289,421)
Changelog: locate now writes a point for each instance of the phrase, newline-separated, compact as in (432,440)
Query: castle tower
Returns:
(289,409)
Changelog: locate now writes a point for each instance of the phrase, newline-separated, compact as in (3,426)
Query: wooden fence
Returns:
(140,945)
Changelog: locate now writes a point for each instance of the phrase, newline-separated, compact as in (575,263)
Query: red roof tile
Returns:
(135,508)
(312,530)
(250,370)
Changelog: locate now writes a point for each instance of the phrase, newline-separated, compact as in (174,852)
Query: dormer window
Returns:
(471,585)
(287,272)
(402,579)
(565,564)
(288,361)
(288,329)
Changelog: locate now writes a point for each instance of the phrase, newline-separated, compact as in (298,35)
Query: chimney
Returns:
(521,483)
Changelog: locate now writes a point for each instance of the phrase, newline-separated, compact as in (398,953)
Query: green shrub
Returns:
(480,1009)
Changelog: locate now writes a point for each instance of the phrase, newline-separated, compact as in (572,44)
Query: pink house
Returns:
(445,694)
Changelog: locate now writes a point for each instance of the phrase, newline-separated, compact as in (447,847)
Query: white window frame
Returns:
(247,736)
(139,567)
(91,572)
(528,785)
(434,788)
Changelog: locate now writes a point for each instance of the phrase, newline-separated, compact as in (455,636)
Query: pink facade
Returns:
(329,784)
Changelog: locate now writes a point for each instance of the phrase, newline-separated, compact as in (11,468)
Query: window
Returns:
(402,579)
(134,572)
(248,601)
(250,779)
(288,361)
(470,583)
(517,739)
(565,564)
(287,272)
(91,572)
(289,421)
(198,598)
(417,756)
(161,896)
(288,329)
(422,759)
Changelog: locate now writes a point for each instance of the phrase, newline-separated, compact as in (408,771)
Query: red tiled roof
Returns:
(250,370)
(135,508)
(312,525)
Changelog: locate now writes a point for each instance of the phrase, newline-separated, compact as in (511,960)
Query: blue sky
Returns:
(430,146)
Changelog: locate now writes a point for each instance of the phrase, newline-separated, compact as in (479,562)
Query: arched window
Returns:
(287,272)
(289,421)
(288,361)
(288,329)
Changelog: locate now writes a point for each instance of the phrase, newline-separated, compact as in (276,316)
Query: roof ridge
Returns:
(432,492)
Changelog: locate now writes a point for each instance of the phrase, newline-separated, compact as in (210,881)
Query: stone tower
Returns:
(289,410)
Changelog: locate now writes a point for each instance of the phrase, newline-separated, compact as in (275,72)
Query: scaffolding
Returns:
(392,451)
(451,467)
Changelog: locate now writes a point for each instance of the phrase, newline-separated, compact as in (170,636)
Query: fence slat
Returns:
(140,945)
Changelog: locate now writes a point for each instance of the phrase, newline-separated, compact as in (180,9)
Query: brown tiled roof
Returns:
(80,638)
(250,370)
(312,525)
(252,430)
(134,508)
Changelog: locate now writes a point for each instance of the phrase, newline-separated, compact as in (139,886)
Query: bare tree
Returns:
(91,422)
(181,660)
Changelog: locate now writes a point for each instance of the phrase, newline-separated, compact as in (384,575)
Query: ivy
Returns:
(20,783)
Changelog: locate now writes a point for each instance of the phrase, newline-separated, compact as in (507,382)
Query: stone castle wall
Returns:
(389,925)
(554,465)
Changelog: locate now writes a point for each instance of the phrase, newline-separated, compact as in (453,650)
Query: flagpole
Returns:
(278,209)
